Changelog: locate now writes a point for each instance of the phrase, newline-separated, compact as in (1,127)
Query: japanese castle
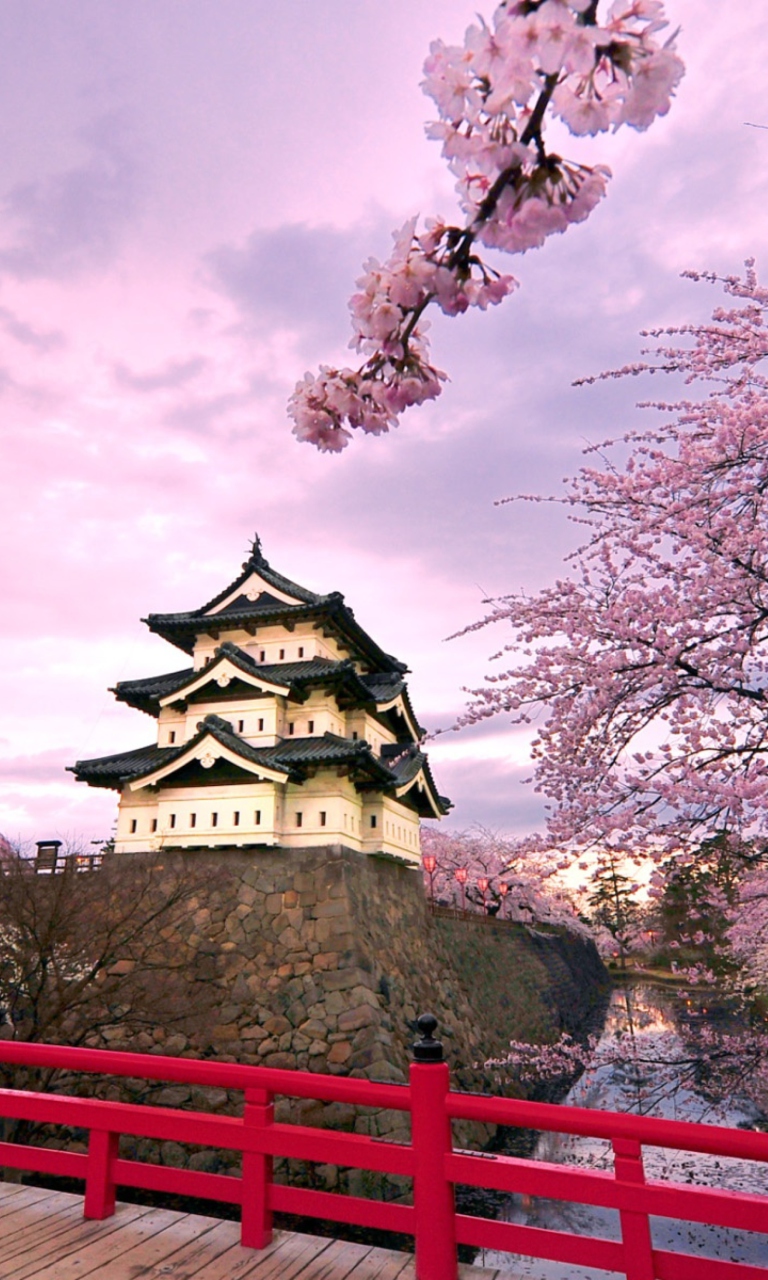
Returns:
(291,727)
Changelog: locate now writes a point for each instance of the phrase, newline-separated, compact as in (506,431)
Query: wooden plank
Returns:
(467,1272)
(24,1197)
(339,1260)
(287,1257)
(384,1264)
(118,1257)
(44,1216)
(44,1237)
(33,1229)
(195,1256)
(77,1261)
(10,1189)
(77,1235)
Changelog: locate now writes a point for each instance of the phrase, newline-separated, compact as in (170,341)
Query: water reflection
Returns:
(647,1081)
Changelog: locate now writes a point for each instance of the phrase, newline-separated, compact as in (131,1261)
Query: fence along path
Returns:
(430,1160)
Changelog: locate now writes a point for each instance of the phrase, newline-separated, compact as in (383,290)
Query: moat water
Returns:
(656,1090)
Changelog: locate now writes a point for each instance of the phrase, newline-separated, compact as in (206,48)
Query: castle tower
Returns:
(291,727)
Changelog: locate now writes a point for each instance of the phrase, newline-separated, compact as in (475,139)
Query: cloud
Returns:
(44,767)
(74,220)
(489,794)
(296,275)
(172,374)
(40,340)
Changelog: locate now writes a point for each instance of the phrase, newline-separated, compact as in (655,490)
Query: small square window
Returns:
(373,821)
(172,820)
(193,819)
(261,724)
(172,736)
(214,819)
(322,817)
(236,818)
(311,726)
(154,824)
(133,826)
(240,726)
(299,819)
(301,650)
(257,817)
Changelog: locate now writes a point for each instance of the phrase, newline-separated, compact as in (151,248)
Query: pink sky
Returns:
(189,192)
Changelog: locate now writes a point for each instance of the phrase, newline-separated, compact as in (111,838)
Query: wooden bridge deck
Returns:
(43,1236)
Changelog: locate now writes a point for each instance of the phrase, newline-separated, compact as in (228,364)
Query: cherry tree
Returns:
(589,67)
(646,667)
(503,877)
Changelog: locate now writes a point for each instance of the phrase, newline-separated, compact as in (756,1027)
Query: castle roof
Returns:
(259,597)
(238,673)
(290,760)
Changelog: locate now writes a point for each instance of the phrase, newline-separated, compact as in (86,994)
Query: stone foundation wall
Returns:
(323,959)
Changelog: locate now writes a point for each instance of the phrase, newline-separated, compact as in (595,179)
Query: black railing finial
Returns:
(427,1049)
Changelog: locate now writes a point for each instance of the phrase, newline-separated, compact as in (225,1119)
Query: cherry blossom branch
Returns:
(593,76)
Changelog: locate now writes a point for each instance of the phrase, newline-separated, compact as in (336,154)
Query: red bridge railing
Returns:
(430,1159)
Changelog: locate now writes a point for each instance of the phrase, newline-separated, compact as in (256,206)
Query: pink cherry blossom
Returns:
(493,95)
(647,664)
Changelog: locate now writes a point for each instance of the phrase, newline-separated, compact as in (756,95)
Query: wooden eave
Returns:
(211,673)
(201,748)
(423,787)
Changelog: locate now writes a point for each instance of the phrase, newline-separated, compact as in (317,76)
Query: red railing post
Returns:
(432,1140)
(635,1227)
(100,1177)
(256,1218)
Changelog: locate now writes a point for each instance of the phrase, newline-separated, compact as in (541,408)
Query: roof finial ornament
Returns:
(255,551)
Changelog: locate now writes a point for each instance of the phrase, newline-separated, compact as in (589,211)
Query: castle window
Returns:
(262,655)
(373,821)
(322,817)
(214,819)
(311,726)
(301,650)
(236,818)
(282,654)
(172,736)
(240,726)
(133,826)
(172,820)
(299,819)
(290,728)
(154,824)
(354,735)
(257,817)
(193,819)
(261,724)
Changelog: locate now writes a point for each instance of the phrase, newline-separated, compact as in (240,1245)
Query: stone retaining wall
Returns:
(324,959)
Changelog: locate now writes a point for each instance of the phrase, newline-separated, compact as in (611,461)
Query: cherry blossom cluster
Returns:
(530,889)
(385,312)
(540,58)
(650,659)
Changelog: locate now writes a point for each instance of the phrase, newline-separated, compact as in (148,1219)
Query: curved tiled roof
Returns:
(292,756)
(256,561)
(182,629)
(145,694)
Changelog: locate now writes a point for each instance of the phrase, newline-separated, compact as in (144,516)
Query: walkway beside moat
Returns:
(43,1236)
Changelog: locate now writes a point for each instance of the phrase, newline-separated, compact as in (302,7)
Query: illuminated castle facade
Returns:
(291,727)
